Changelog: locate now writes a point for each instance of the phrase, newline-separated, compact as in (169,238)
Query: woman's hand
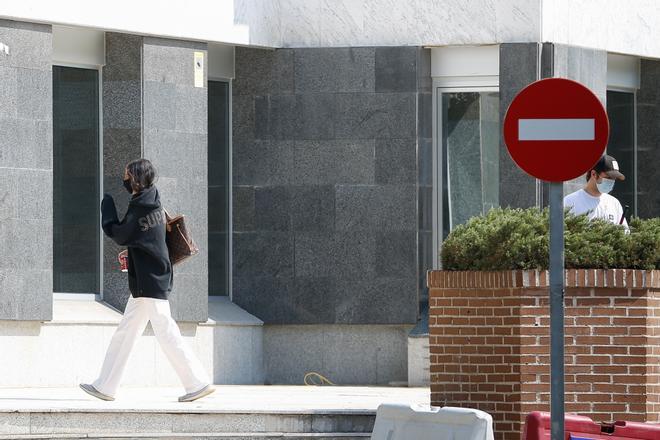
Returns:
(107,200)
(123,260)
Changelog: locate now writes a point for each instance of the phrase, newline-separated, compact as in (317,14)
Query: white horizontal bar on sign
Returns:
(556,129)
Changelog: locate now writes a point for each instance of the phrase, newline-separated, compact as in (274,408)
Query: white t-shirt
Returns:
(604,207)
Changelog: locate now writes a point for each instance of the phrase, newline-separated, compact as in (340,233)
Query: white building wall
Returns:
(245,22)
(327,23)
(621,26)
(299,23)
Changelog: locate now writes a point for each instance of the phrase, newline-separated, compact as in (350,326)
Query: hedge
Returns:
(507,239)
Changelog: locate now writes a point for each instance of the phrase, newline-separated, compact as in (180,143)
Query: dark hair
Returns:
(142,174)
(588,176)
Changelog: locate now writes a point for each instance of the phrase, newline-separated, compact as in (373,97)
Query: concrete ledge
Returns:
(70,348)
(224,312)
(67,311)
(70,311)
(256,412)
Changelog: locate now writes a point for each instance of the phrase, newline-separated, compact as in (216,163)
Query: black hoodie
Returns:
(143,231)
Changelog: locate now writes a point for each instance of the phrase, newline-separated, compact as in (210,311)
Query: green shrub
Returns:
(505,239)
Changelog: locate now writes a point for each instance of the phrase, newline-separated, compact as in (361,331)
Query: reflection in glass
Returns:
(76,202)
(470,148)
(621,145)
(219,185)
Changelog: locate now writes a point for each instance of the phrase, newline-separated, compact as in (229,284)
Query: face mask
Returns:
(605,186)
(127,185)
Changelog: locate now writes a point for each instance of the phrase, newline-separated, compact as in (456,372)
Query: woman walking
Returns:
(142,231)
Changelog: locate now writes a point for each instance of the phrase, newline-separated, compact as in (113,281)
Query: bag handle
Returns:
(189,243)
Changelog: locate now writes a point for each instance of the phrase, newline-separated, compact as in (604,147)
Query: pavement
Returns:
(226,399)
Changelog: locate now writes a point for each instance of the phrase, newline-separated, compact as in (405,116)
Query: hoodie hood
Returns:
(148,199)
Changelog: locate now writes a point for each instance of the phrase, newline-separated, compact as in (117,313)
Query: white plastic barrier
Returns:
(421,422)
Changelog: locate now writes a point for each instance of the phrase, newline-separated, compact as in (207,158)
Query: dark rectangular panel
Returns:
(218,186)
(621,145)
(76,231)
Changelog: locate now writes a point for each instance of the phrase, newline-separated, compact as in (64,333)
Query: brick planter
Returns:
(490,344)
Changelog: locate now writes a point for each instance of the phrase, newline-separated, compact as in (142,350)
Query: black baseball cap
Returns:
(608,165)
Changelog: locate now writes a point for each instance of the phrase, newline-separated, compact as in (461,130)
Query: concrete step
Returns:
(200,436)
(141,424)
(232,412)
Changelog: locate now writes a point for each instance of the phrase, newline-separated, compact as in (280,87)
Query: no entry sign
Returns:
(556,129)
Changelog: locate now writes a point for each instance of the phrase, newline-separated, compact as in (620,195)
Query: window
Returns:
(469,130)
(622,145)
(76,181)
(219,187)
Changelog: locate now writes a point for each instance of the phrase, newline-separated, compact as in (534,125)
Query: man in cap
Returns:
(594,199)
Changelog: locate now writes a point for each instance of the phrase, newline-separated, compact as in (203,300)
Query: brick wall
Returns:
(490,344)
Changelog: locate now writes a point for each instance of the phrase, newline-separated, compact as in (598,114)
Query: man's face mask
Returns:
(605,185)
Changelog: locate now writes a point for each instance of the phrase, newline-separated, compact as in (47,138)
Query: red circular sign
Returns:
(556,129)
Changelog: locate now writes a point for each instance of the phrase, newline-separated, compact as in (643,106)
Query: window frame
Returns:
(88,295)
(439,88)
(230,177)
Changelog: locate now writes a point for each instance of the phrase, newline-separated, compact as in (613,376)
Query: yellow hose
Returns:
(308,380)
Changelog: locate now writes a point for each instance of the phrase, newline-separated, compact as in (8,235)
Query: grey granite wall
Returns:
(587,66)
(26,172)
(648,140)
(519,67)
(175,139)
(325,151)
(152,109)
(122,142)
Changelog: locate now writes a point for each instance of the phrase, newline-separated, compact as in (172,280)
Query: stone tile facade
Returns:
(26,172)
(152,109)
(328,194)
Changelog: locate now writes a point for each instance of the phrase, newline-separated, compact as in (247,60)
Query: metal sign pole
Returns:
(556,195)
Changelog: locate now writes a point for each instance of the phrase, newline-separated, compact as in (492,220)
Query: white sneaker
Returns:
(208,389)
(89,389)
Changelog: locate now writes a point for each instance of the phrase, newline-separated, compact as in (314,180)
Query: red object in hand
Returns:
(123,261)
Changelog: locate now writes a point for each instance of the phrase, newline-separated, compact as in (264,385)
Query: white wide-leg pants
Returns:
(139,311)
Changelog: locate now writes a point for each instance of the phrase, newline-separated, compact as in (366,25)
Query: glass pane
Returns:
(219,185)
(621,145)
(76,223)
(470,148)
